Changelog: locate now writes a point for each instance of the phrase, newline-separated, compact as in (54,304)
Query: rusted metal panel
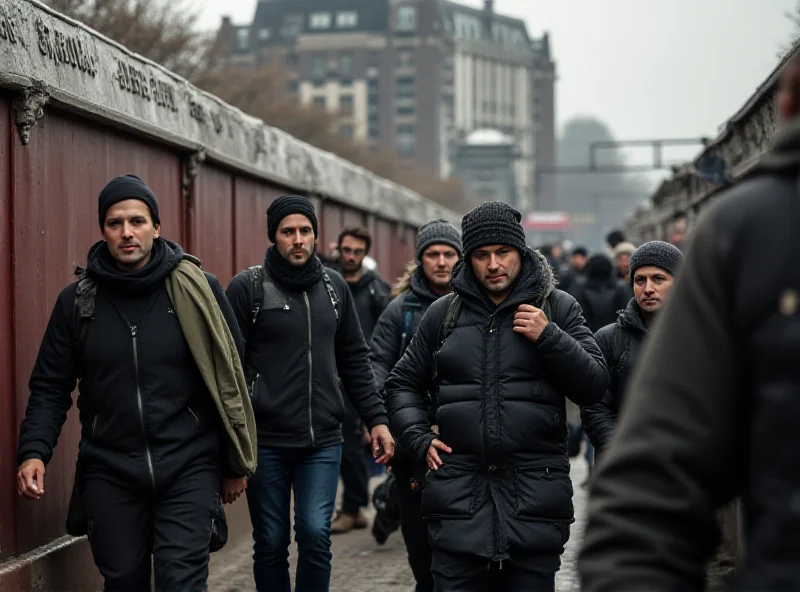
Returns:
(330,222)
(55,223)
(8,413)
(409,244)
(352,218)
(250,222)
(384,247)
(211,221)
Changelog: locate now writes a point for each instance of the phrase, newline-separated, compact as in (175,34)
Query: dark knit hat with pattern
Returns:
(658,254)
(492,223)
(123,188)
(286,205)
(438,232)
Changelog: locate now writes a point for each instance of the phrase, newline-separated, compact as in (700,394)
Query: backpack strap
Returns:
(335,302)
(83,306)
(454,306)
(411,304)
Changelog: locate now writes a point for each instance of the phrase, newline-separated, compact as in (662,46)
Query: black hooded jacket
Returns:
(717,406)
(294,353)
(499,401)
(620,343)
(145,411)
(599,293)
(371,294)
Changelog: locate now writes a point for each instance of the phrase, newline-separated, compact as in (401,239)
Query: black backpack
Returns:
(411,304)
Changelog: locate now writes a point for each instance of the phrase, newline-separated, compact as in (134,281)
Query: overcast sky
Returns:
(648,68)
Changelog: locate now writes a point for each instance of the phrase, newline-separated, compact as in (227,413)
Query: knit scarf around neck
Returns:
(297,279)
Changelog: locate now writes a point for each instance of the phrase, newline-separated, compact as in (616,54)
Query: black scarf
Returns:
(297,279)
(103,268)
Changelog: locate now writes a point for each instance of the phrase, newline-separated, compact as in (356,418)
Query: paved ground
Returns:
(360,565)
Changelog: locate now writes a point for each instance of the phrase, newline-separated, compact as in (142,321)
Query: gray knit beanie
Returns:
(493,223)
(658,254)
(437,232)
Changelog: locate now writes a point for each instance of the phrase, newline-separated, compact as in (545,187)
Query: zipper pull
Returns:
(133,331)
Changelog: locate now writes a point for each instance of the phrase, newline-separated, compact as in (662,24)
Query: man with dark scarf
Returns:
(305,333)
(438,248)
(499,357)
(153,448)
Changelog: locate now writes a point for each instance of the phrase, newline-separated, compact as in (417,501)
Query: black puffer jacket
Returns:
(717,406)
(292,357)
(371,294)
(145,411)
(620,344)
(500,405)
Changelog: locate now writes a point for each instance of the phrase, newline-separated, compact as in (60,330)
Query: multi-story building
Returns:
(416,75)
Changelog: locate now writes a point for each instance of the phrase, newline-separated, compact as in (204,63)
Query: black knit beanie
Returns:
(122,188)
(286,205)
(437,232)
(493,223)
(656,253)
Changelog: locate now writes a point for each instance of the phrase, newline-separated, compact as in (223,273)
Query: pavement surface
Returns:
(361,565)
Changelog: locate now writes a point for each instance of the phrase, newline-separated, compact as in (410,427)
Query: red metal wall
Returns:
(48,221)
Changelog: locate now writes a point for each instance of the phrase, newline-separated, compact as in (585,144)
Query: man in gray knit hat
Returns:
(499,356)
(653,266)
(438,248)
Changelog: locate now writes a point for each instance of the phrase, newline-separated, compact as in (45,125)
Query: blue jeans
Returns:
(314,476)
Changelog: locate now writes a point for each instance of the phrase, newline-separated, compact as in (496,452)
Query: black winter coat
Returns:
(620,343)
(717,406)
(371,295)
(293,355)
(144,409)
(500,406)
(390,340)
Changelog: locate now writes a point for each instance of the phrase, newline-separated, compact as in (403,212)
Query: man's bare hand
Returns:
(382,439)
(529,321)
(232,489)
(30,479)
(434,462)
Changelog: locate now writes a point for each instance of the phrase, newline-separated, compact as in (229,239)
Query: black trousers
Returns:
(469,573)
(127,524)
(354,470)
(415,534)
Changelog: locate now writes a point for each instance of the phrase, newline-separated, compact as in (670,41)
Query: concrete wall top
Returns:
(47,57)
(741,142)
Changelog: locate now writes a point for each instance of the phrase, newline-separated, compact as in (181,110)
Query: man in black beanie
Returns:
(166,422)
(302,331)
(499,357)
(438,248)
(653,268)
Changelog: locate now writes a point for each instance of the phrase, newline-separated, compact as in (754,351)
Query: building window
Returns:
(242,37)
(346,20)
(346,131)
(263,34)
(405,110)
(292,25)
(405,140)
(319,20)
(405,87)
(407,18)
(405,59)
(319,102)
(346,65)
(319,66)
(373,83)
(291,60)
(293,86)
(346,104)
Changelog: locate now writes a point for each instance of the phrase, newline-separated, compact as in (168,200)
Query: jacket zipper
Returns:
(197,421)
(310,373)
(141,408)
(253,387)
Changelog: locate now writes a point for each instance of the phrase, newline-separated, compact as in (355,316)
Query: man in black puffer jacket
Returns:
(152,450)
(302,334)
(653,266)
(499,357)
(438,249)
